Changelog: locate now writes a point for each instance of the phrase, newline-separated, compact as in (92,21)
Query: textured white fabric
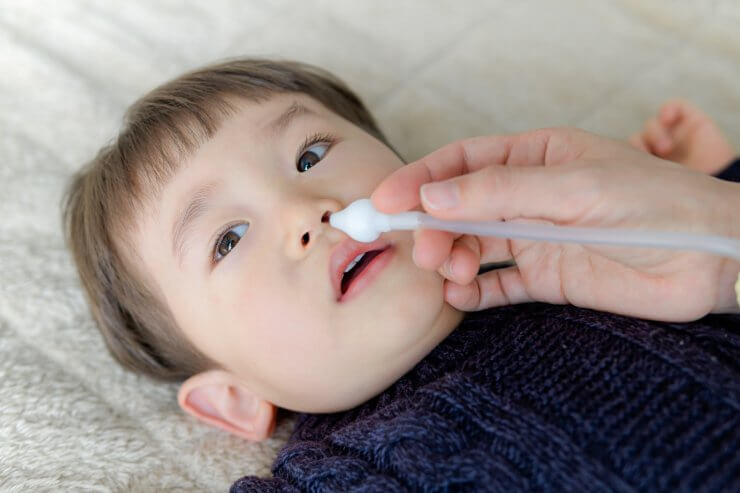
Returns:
(431,71)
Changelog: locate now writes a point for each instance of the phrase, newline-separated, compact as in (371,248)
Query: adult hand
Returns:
(570,177)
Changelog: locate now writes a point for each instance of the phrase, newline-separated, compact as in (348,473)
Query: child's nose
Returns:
(308,221)
(306,238)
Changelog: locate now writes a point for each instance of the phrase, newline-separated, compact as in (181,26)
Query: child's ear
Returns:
(220,399)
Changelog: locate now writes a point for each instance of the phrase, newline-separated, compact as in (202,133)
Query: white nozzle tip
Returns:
(359,220)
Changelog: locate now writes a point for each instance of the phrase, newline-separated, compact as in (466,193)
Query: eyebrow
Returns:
(195,209)
(282,122)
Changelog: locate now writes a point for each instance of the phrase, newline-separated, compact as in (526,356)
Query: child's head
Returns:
(202,242)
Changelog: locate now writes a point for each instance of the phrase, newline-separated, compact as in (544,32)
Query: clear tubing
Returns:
(362,222)
(719,245)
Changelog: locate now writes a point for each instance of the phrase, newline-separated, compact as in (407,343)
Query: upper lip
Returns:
(344,253)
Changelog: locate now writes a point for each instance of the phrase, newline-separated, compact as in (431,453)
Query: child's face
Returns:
(262,303)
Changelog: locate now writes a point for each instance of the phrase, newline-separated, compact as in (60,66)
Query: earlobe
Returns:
(220,399)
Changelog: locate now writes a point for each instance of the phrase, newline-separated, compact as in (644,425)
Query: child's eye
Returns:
(228,240)
(311,156)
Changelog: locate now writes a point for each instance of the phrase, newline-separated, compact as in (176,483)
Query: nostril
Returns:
(325,217)
(305,239)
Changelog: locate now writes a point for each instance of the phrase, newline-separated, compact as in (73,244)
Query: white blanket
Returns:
(431,71)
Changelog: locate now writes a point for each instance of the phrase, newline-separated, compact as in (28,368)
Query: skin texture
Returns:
(570,177)
(266,312)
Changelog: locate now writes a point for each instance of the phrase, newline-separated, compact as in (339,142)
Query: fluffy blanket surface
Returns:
(431,71)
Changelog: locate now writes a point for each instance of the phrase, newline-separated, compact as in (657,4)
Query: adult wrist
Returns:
(728,299)
(729,288)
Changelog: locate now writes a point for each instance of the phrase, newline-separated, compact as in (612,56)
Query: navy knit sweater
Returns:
(538,397)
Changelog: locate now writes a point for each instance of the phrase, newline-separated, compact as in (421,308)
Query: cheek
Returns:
(410,298)
(424,291)
(365,166)
(270,322)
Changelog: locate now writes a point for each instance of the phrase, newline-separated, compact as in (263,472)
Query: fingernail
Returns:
(440,195)
(451,269)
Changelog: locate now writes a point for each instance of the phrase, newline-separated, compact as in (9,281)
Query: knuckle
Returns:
(583,187)
(471,298)
(471,243)
(493,178)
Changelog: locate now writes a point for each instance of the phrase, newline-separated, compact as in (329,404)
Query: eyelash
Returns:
(311,140)
(317,138)
(220,237)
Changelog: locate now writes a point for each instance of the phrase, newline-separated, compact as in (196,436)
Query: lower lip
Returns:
(368,274)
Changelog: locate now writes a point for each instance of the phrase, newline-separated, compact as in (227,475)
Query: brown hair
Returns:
(102,199)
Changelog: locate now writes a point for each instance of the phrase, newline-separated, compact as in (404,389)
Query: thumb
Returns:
(500,192)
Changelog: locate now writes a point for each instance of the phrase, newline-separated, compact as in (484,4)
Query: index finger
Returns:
(400,191)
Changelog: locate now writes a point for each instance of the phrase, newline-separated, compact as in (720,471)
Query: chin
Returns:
(333,404)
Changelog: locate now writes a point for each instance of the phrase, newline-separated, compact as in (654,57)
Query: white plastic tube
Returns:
(363,223)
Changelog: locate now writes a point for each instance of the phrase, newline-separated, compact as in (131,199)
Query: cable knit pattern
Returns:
(538,398)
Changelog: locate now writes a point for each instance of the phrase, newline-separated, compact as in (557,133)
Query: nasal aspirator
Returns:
(362,222)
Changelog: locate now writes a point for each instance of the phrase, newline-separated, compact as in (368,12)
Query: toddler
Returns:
(202,240)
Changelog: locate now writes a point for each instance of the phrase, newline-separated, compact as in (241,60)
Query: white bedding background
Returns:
(431,71)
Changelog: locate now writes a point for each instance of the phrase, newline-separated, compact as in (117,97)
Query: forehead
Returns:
(246,120)
(268,118)
(249,126)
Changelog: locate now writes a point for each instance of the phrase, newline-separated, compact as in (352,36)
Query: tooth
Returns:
(354,262)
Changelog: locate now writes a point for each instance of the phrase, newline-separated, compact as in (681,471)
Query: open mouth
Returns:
(356,267)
